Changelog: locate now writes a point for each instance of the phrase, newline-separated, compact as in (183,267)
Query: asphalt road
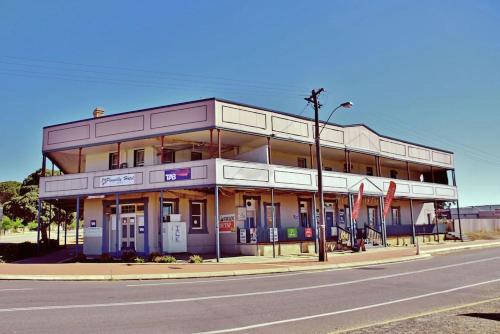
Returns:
(310,302)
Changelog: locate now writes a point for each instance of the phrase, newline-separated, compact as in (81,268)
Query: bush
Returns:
(9,224)
(195,259)
(139,260)
(32,226)
(128,255)
(165,259)
(80,257)
(154,255)
(106,258)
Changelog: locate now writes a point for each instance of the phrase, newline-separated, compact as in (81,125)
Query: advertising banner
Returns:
(117,180)
(227,223)
(357,204)
(308,232)
(253,235)
(389,197)
(178,174)
(243,236)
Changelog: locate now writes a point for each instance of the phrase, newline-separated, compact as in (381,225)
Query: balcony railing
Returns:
(231,173)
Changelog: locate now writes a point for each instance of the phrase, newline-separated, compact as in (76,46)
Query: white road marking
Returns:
(16,289)
(320,315)
(238,295)
(293,274)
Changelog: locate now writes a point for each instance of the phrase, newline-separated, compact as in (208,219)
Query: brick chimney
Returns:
(98,112)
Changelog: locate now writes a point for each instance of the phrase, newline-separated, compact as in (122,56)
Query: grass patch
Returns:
(481,235)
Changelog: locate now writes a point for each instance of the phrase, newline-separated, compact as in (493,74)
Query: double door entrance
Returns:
(128,231)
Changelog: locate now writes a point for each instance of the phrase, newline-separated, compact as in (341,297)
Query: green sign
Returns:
(292,232)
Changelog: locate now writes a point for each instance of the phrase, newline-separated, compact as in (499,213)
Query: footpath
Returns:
(230,266)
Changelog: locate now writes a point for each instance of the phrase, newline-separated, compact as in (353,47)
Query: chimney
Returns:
(98,112)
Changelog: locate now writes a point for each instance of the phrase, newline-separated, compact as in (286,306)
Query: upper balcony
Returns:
(230,173)
(213,113)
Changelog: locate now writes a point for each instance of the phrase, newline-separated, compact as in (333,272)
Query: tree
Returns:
(8,190)
(25,205)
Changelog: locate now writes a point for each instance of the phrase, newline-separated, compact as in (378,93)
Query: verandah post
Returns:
(216,214)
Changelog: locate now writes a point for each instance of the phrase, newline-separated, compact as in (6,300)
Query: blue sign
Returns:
(178,174)
(141,229)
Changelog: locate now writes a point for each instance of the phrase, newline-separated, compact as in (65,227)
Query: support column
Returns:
(118,224)
(311,157)
(160,241)
(377,165)
(105,233)
(351,220)
(146,228)
(58,226)
(412,222)
(211,143)
(459,221)
(435,216)
(408,170)
(270,159)
(219,143)
(315,224)
(44,164)
(50,219)
(65,232)
(383,229)
(80,159)
(273,219)
(38,220)
(216,211)
(119,144)
(77,222)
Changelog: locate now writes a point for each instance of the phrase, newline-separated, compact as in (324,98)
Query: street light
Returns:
(319,164)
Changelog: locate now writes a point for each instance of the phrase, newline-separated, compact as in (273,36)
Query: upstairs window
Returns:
(302,162)
(328,169)
(113,160)
(196,156)
(394,174)
(139,158)
(369,171)
(167,156)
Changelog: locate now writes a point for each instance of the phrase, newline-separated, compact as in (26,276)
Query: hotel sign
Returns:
(178,174)
(117,180)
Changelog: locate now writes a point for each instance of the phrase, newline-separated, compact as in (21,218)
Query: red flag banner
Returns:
(389,197)
(357,204)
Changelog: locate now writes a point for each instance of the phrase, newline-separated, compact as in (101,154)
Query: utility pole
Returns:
(322,237)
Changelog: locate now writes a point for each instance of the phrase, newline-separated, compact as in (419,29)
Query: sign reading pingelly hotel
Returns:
(117,180)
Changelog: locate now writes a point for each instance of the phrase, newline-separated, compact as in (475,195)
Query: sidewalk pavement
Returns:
(59,256)
(229,266)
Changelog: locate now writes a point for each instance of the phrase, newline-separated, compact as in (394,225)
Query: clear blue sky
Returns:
(424,71)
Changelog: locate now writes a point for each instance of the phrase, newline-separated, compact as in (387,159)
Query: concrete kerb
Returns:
(461,247)
(227,273)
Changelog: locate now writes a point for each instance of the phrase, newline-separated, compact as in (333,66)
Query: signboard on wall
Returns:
(92,232)
(117,180)
(227,223)
(243,236)
(308,232)
(253,235)
(242,213)
(291,232)
(177,174)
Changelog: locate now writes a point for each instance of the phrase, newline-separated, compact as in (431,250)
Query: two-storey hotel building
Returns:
(224,173)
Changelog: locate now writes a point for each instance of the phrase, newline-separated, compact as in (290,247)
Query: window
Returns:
(396,215)
(139,158)
(302,162)
(372,216)
(113,160)
(328,169)
(169,207)
(394,174)
(129,208)
(197,214)
(304,213)
(196,156)
(167,156)
(369,171)
(269,214)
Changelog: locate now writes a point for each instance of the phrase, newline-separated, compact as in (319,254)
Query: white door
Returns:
(128,231)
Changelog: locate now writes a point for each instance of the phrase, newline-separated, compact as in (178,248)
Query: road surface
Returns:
(310,302)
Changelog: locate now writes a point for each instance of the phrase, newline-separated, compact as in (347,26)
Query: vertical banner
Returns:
(357,204)
(389,197)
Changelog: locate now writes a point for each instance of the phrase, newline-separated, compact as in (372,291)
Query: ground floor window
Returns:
(396,215)
(269,214)
(372,216)
(305,213)
(252,205)
(197,217)
(169,207)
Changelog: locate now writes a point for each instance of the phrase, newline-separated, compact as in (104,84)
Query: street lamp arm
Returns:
(331,114)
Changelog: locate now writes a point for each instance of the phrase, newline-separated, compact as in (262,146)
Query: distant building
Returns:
(478,211)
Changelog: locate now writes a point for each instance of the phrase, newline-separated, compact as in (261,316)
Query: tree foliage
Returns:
(9,190)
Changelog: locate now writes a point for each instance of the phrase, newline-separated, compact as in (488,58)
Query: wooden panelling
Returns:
(419,153)
(392,147)
(76,183)
(290,127)
(443,158)
(243,117)
(245,173)
(68,134)
(292,177)
(175,117)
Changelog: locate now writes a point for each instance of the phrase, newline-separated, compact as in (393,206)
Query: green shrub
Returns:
(164,259)
(195,259)
(139,260)
(80,257)
(128,255)
(153,255)
(9,224)
(32,226)
(106,258)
